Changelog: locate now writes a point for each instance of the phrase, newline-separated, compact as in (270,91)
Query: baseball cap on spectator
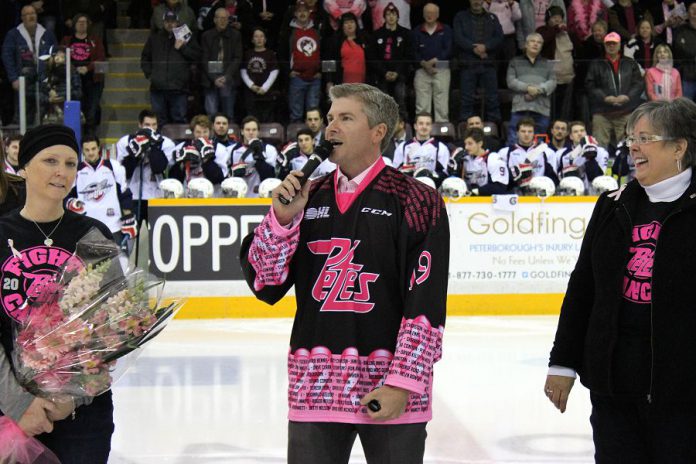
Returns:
(170,16)
(301,4)
(612,37)
(390,7)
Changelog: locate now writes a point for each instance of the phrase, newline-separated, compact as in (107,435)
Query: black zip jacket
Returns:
(166,67)
(601,82)
(587,331)
(684,44)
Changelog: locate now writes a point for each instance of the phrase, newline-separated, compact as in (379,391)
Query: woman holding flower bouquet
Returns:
(35,242)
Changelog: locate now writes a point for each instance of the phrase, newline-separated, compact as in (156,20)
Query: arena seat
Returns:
(461,128)
(272,132)
(292,130)
(177,132)
(408,129)
(234,130)
(444,131)
(490,128)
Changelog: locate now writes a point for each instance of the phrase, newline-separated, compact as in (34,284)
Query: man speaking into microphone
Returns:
(367,249)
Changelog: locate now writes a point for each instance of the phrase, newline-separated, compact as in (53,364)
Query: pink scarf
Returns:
(585,19)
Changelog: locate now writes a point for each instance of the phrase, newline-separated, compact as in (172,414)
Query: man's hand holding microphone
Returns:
(291,196)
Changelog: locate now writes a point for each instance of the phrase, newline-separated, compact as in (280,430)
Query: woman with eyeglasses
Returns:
(628,319)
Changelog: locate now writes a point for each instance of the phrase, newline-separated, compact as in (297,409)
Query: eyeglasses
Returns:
(644,139)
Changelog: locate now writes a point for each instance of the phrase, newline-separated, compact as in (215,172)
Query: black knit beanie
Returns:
(44,136)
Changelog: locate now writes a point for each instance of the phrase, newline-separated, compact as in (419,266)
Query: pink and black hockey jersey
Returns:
(370,274)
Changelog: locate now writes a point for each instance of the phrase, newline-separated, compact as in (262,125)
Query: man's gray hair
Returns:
(533,35)
(379,107)
(672,120)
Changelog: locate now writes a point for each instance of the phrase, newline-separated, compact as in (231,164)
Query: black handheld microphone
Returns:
(321,152)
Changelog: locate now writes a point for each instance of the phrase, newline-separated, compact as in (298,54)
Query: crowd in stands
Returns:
(527,70)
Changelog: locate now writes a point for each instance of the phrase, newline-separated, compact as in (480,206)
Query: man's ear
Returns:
(379,132)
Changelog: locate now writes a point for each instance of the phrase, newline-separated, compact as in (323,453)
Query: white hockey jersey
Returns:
(422,155)
(252,177)
(98,188)
(326,166)
(538,155)
(221,158)
(150,188)
(568,158)
(480,170)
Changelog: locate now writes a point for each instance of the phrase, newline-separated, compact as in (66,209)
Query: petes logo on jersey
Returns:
(28,275)
(341,285)
(96,190)
(317,213)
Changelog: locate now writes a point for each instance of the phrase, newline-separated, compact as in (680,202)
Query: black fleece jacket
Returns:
(587,331)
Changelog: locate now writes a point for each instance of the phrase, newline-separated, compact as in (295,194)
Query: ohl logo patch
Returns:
(341,285)
(28,275)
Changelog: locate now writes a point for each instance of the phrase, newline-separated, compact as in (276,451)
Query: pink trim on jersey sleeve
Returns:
(272,250)
(418,348)
(285,231)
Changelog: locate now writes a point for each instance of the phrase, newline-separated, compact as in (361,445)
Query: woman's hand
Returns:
(557,389)
(35,419)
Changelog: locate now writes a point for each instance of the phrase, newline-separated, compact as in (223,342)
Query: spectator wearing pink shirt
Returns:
(662,81)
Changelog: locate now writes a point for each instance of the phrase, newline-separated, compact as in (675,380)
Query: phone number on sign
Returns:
(509,275)
(482,275)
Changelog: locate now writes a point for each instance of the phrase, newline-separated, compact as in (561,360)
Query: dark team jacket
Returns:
(370,276)
(22,278)
(587,333)
(392,51)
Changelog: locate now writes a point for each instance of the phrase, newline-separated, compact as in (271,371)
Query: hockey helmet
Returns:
(603,184)
(200,187)
(454,187)
(427,181)
(267,186)
(571,187)
(541,186)
(171,188)
(234,187)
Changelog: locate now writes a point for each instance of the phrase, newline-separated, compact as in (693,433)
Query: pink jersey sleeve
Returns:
(272,250)
(418,348)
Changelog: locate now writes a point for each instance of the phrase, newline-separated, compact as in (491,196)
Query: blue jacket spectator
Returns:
(478,35)
(432,42)
(436,45)
(21,50)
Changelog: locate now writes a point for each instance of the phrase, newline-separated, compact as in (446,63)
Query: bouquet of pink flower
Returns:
(85,319)
(82,321)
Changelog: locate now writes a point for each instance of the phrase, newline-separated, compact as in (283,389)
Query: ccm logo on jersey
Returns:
(377,212)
